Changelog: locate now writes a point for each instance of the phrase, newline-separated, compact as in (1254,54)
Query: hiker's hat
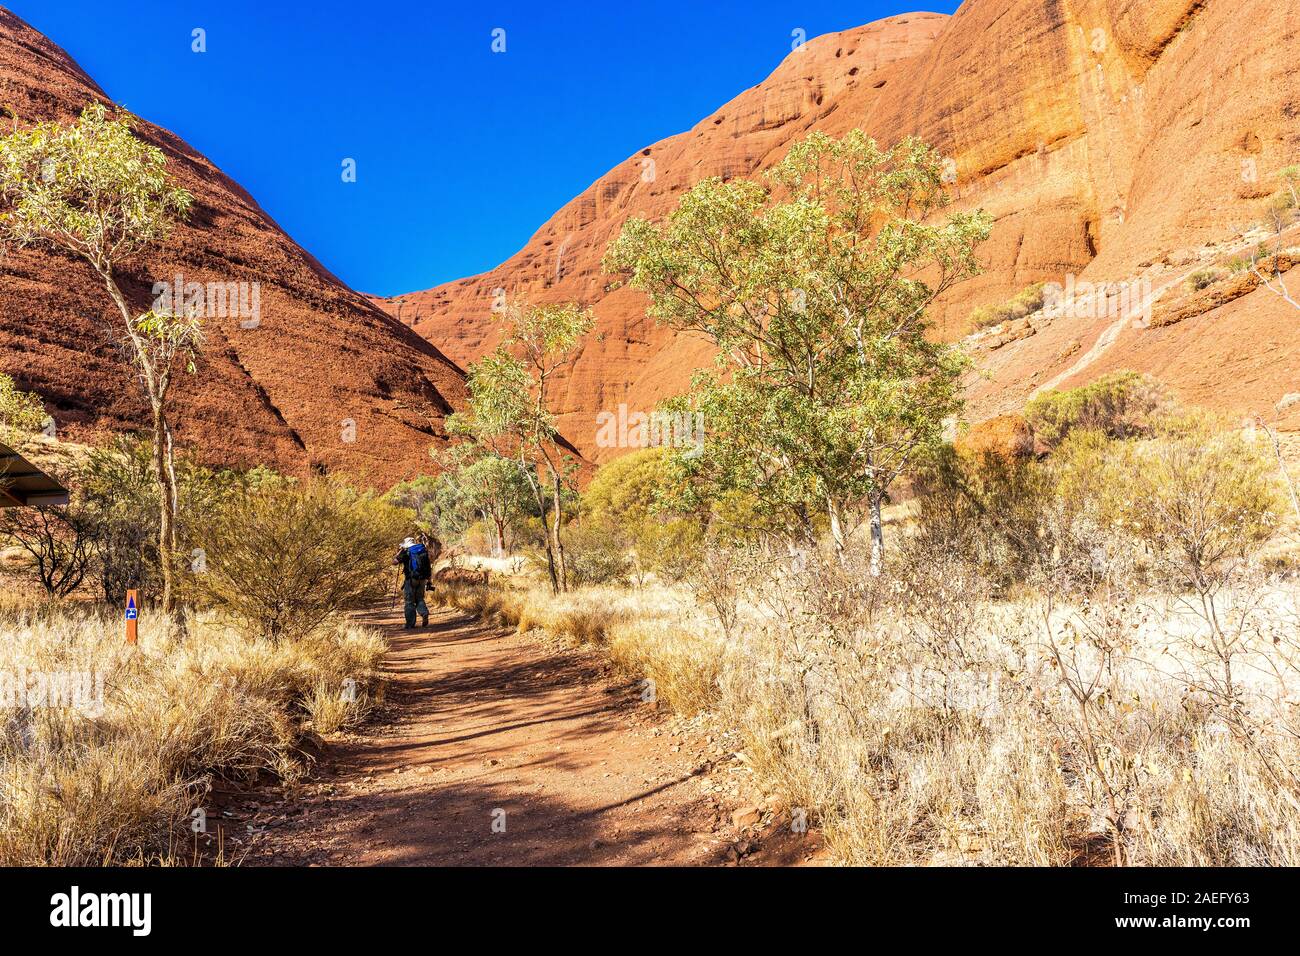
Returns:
(409,542)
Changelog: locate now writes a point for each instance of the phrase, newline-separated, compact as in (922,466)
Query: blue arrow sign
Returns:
(131,612)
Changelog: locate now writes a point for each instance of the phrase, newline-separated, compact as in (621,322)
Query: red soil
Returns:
(485,720)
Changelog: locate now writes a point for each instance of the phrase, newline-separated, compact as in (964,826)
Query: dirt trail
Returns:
(481,720)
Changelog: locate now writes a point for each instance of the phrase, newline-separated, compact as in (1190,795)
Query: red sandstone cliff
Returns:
(1110,139)
(325,381)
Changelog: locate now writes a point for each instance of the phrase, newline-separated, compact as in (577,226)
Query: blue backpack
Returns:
(417,562)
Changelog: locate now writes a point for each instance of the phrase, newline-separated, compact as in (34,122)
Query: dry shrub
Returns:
(284,558)
(1202,499)
(1042,732)
(111,778)
(597,552)
(1204,278)
(990,508)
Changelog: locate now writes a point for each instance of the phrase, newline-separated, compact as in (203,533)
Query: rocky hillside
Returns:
(1111,140)
(322,380)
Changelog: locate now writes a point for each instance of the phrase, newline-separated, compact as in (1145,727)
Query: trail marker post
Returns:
(132,617)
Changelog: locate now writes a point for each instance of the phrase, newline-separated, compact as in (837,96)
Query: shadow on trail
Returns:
(487,824)
(501,753)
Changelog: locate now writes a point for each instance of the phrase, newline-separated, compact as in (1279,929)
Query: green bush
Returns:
(597,552)
(631,488)
(1025,302)
(281,560)
(1119,405)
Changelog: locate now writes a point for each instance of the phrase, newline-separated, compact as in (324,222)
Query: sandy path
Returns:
(480,721)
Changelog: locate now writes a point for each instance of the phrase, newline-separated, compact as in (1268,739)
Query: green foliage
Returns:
(1025,302)
(631,488)
(1288,197)
(494,489)
(475,485)
(1086,482)
(1119,404)
(115,488)
(166,338)
(510,409)
(433,503)
(671,548)
(119,488)
(827,384)
(21,413)
(284,559)
(92,188)
(509,392)
(96,191)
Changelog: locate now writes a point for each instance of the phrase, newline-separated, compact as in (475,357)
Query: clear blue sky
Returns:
(461,153)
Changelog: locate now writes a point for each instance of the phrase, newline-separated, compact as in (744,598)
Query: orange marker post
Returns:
(132,617)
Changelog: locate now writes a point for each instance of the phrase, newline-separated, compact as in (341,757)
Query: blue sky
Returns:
(461,153)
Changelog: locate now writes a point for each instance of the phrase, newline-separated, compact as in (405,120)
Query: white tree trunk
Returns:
(877,536)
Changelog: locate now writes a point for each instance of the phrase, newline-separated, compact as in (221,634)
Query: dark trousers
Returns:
(413,592)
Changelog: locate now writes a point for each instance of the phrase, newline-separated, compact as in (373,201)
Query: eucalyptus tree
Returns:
(96,191)
(511,394)
(814,286)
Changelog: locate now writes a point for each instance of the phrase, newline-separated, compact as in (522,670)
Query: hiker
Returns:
(417,569)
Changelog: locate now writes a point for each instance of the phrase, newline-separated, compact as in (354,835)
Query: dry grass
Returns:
(110,778)
(654,633)
(581,617)
(681,661)
(925,732)
(913,750)
(493,604)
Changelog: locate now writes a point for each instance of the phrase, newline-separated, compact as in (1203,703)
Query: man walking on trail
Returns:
(417,569)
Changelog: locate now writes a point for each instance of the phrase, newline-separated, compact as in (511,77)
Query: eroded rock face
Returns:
(325,380)
(1102,135)
(1005,436)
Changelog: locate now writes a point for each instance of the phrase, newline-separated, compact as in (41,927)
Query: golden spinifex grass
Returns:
(109,769)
